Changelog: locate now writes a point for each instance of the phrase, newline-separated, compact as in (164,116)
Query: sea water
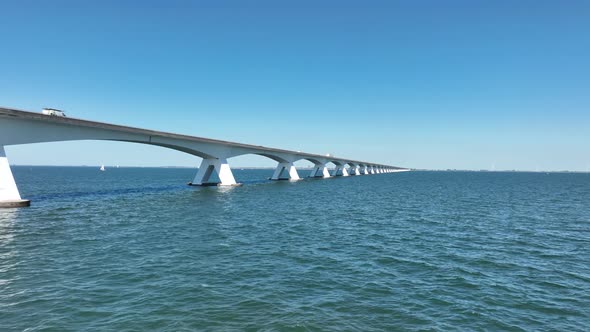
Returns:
(136,249)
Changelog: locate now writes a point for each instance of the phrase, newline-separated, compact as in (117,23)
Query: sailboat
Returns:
(102,168)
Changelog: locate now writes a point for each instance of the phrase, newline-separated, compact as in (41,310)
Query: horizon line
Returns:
(271,168)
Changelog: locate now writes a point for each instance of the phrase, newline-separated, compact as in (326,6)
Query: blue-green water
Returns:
(134,249)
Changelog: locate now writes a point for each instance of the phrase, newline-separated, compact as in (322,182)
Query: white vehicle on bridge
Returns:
(53,112)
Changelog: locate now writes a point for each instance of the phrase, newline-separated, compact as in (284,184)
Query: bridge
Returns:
(23,127)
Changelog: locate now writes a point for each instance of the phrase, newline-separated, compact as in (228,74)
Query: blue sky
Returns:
(422,84)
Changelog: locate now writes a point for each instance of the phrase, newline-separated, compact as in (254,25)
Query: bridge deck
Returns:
(8,112)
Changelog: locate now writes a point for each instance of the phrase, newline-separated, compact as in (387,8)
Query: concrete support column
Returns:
(285,171)
(337,170)
(340,170)
(314,171)
(319,171)
(325,172)
(356,170)
(218,165)
(344,171)
(9,195)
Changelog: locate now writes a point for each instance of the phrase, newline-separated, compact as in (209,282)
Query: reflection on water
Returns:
(8,219)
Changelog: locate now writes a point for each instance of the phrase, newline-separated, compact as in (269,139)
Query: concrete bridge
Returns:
(22,127)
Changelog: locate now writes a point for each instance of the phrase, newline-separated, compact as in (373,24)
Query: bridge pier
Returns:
(340,170)
(289,169)
(9,195)
(356,170)
(319,171)
(344,171)
(219,165)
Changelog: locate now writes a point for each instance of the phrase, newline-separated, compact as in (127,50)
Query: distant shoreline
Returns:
(114,166)
(309,168)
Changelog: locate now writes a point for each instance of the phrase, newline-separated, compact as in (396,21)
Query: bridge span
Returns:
(23,127)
